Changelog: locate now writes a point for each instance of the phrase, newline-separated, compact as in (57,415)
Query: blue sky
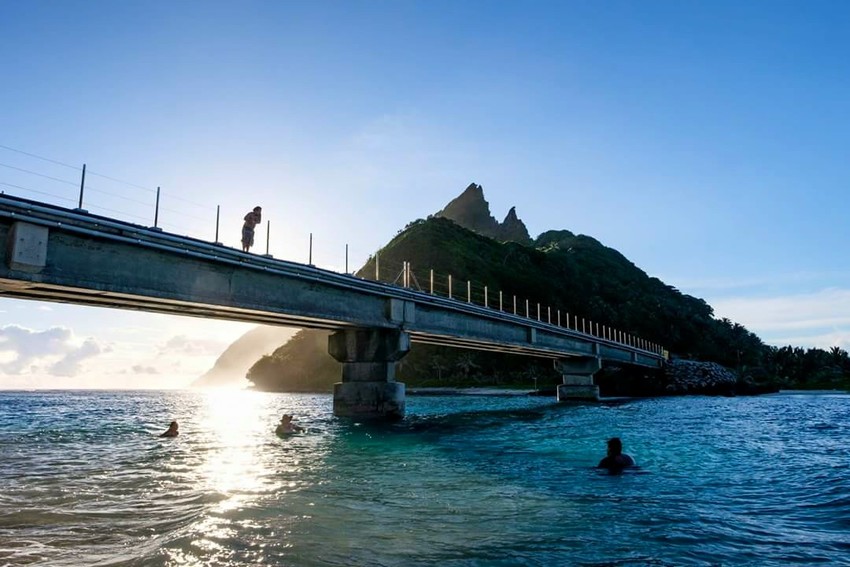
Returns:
(704,140)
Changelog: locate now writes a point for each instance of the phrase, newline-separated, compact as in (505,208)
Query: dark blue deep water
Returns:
(462,481)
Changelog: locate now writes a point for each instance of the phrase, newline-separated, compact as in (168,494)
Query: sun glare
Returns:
(235,465)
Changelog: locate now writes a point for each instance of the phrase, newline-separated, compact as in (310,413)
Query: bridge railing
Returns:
(464,290)
(67,185)
(88,188)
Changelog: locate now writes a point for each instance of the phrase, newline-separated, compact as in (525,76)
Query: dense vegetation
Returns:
(564,272)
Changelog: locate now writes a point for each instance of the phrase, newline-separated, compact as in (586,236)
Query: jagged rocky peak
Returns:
(514,229)
(471,210)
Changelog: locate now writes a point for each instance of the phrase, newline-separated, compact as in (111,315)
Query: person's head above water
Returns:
(615,446)
(171,431)
(616,460)
(257,209)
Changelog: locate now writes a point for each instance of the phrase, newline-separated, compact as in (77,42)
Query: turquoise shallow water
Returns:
(84,480)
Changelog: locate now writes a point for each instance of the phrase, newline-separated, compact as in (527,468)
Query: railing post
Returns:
(500,300)
(597,330)
(310,255)
(378,266)
(514,305)
(559,317)
(486,302)
(527,310)
(432,281)
(582,326)
(468,291)
(82,188)
(549,314)
(217,217)
(450,286)
(156,210)
(268,233)
(346,259)
(538,312)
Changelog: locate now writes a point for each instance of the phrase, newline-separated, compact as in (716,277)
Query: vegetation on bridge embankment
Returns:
(568,272)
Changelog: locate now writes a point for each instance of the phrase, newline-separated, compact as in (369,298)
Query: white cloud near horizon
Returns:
(70,364)
(817,319)
(55,351)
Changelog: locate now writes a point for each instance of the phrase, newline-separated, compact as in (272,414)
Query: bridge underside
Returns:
(18,289)
(113,300)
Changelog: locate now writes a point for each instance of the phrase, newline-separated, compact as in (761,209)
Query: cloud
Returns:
(139,369)
(181,344)
(820,319)
(69,365)
(825,340)
(825,308)
(24,350)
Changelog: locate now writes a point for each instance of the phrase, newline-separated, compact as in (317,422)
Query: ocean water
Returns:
(462,481)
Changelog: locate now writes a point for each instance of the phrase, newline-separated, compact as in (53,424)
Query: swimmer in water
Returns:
(172,430)
(286,426)
(616,460)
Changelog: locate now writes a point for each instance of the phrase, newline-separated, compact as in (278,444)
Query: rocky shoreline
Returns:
(692,377)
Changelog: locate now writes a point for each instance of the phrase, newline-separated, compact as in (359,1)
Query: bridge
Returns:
(50,253)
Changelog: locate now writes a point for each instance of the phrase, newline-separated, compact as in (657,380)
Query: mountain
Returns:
(561,271)
(232,365)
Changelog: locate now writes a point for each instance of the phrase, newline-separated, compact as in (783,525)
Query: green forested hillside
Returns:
(562,271)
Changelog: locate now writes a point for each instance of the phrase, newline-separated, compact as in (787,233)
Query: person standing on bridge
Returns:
(252,219)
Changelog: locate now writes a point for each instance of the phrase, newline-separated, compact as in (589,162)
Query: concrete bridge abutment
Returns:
(577,375)
(369,356)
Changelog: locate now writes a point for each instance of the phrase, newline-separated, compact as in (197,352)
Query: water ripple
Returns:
(460,482)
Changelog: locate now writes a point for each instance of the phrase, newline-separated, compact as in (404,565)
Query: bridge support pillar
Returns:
(577,376)
(368,389)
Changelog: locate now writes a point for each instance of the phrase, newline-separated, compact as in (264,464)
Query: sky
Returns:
(706,141)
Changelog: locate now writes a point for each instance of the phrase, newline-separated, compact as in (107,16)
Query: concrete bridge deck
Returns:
(51,253)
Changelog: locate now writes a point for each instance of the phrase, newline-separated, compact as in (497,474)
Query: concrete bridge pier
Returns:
(577,376)
(368,389)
